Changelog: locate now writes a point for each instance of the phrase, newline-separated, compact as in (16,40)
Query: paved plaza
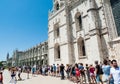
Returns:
(38,79)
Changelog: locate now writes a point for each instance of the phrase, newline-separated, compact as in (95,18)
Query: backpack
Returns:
(100,71)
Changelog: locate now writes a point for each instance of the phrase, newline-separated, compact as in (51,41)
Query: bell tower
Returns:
(57,4)
(58,33)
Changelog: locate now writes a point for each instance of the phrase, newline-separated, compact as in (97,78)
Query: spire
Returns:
(7,55)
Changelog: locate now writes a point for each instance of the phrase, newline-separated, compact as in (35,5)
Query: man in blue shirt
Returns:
(81,68)
(54,69)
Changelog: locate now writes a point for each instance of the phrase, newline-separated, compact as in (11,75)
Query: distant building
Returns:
(9,62)
(37,55)
(15,58)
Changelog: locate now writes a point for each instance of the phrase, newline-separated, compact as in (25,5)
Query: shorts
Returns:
(13,75)
(51,70)
(54,71)
(73,73)
(57,71)
(99,78)
(92,75)
(33,72)
(82,73)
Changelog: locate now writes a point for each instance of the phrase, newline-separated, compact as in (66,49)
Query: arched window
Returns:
(81,47)
(56,30)
(78,21)
(115,4)
(57,51)
(57,6)
(43,49)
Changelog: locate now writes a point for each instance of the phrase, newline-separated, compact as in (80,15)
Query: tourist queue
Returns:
(107,72)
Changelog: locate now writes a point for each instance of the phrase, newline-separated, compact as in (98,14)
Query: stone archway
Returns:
(81,47)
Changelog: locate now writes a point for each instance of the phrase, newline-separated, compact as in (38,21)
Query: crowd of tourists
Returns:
(107,72)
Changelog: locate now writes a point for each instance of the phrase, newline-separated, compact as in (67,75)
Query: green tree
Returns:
(1,64)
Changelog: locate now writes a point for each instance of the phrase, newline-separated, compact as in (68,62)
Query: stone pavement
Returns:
(38,79)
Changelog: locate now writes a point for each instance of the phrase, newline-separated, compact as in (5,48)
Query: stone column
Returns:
(69,33)
(96,53)
(109,18)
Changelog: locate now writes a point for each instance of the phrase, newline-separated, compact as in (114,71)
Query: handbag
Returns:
(104,78)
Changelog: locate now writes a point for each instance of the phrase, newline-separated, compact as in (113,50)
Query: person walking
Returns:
(77,73)
(82,72)
(28,71)
(13,76)
(92,74)
(106,72)
(54,70)
(72,73)
(19,73)
(68,71)
(62,71)
(87,72)
(115,72)
(1,78)
(43,70)
(58,70)
(98,73)
(51,68)
(33,71)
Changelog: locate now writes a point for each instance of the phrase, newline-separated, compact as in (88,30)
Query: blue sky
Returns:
(23,24)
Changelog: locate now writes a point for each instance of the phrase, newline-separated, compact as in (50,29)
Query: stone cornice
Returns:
(115,41)
(94,32)
(74,4)
(104,31)
(59,27)
(87,37)
(60,45)
(54,14)
(91,9)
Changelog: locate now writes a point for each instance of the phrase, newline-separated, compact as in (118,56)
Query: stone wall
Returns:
(114,50)
(98,30)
